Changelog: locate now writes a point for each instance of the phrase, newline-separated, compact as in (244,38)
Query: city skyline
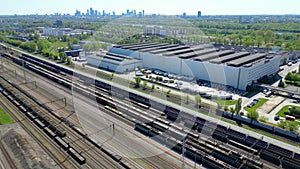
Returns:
(175,7)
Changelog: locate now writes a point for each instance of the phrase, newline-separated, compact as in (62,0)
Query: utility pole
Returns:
(113,126)
(183,151)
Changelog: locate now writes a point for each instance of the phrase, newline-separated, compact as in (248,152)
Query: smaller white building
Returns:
(56,31)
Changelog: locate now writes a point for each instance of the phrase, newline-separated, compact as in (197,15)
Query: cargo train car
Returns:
(76,155)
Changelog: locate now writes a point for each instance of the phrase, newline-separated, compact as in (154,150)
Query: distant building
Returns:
(199,14)
(91,12)
(77,13)
(58,23)
(56,31)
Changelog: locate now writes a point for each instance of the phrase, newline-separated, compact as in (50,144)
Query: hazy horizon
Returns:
(166,7)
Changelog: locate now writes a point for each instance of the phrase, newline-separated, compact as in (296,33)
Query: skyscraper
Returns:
(91,12)
(199,14)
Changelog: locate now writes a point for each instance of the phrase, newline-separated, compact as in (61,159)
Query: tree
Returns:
(288,76)
(263,119)
(232,110)
(112,76)
(238,106)
(168,93)
(152,87)
(62,56)
(43,44)
(253,115)
(144,85)
(46,52)
(198,100)
(282,124)
(292,125)
(240,39)
(69,61)
(187,97)
(226,108)
(281,84)
(55,56)
(29,46)
(138,81)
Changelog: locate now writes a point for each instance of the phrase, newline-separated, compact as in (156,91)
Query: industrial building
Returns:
(113,62)
(203,61)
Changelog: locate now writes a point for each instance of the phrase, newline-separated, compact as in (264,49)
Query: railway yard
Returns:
(86,123)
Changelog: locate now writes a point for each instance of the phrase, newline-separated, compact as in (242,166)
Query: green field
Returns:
(258,104)
(286,109)
(5,118)
(226,102)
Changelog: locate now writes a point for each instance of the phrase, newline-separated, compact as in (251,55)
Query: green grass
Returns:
(227,102)
(258,104)
(5,118)
(286,109)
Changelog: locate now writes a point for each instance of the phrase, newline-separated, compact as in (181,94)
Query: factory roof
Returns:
(200,52)
(187,50)
(230,57)
(213,55)
(246,60)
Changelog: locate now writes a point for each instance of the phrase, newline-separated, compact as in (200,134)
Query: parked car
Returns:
(296,101)
(281,68)
(268,94)
(276,118)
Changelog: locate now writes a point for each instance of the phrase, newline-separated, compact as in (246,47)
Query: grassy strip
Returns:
(257,105)
(286,109)
(226,102)
(5,118)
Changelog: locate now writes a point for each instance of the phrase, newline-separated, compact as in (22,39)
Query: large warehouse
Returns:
(236,68)
(114,62)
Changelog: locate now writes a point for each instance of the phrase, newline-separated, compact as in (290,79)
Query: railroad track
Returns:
(99,161)
(9,160)
(160,162)
(205,157)
(53,150)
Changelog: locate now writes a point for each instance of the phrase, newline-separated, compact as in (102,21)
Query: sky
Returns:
(169,7)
